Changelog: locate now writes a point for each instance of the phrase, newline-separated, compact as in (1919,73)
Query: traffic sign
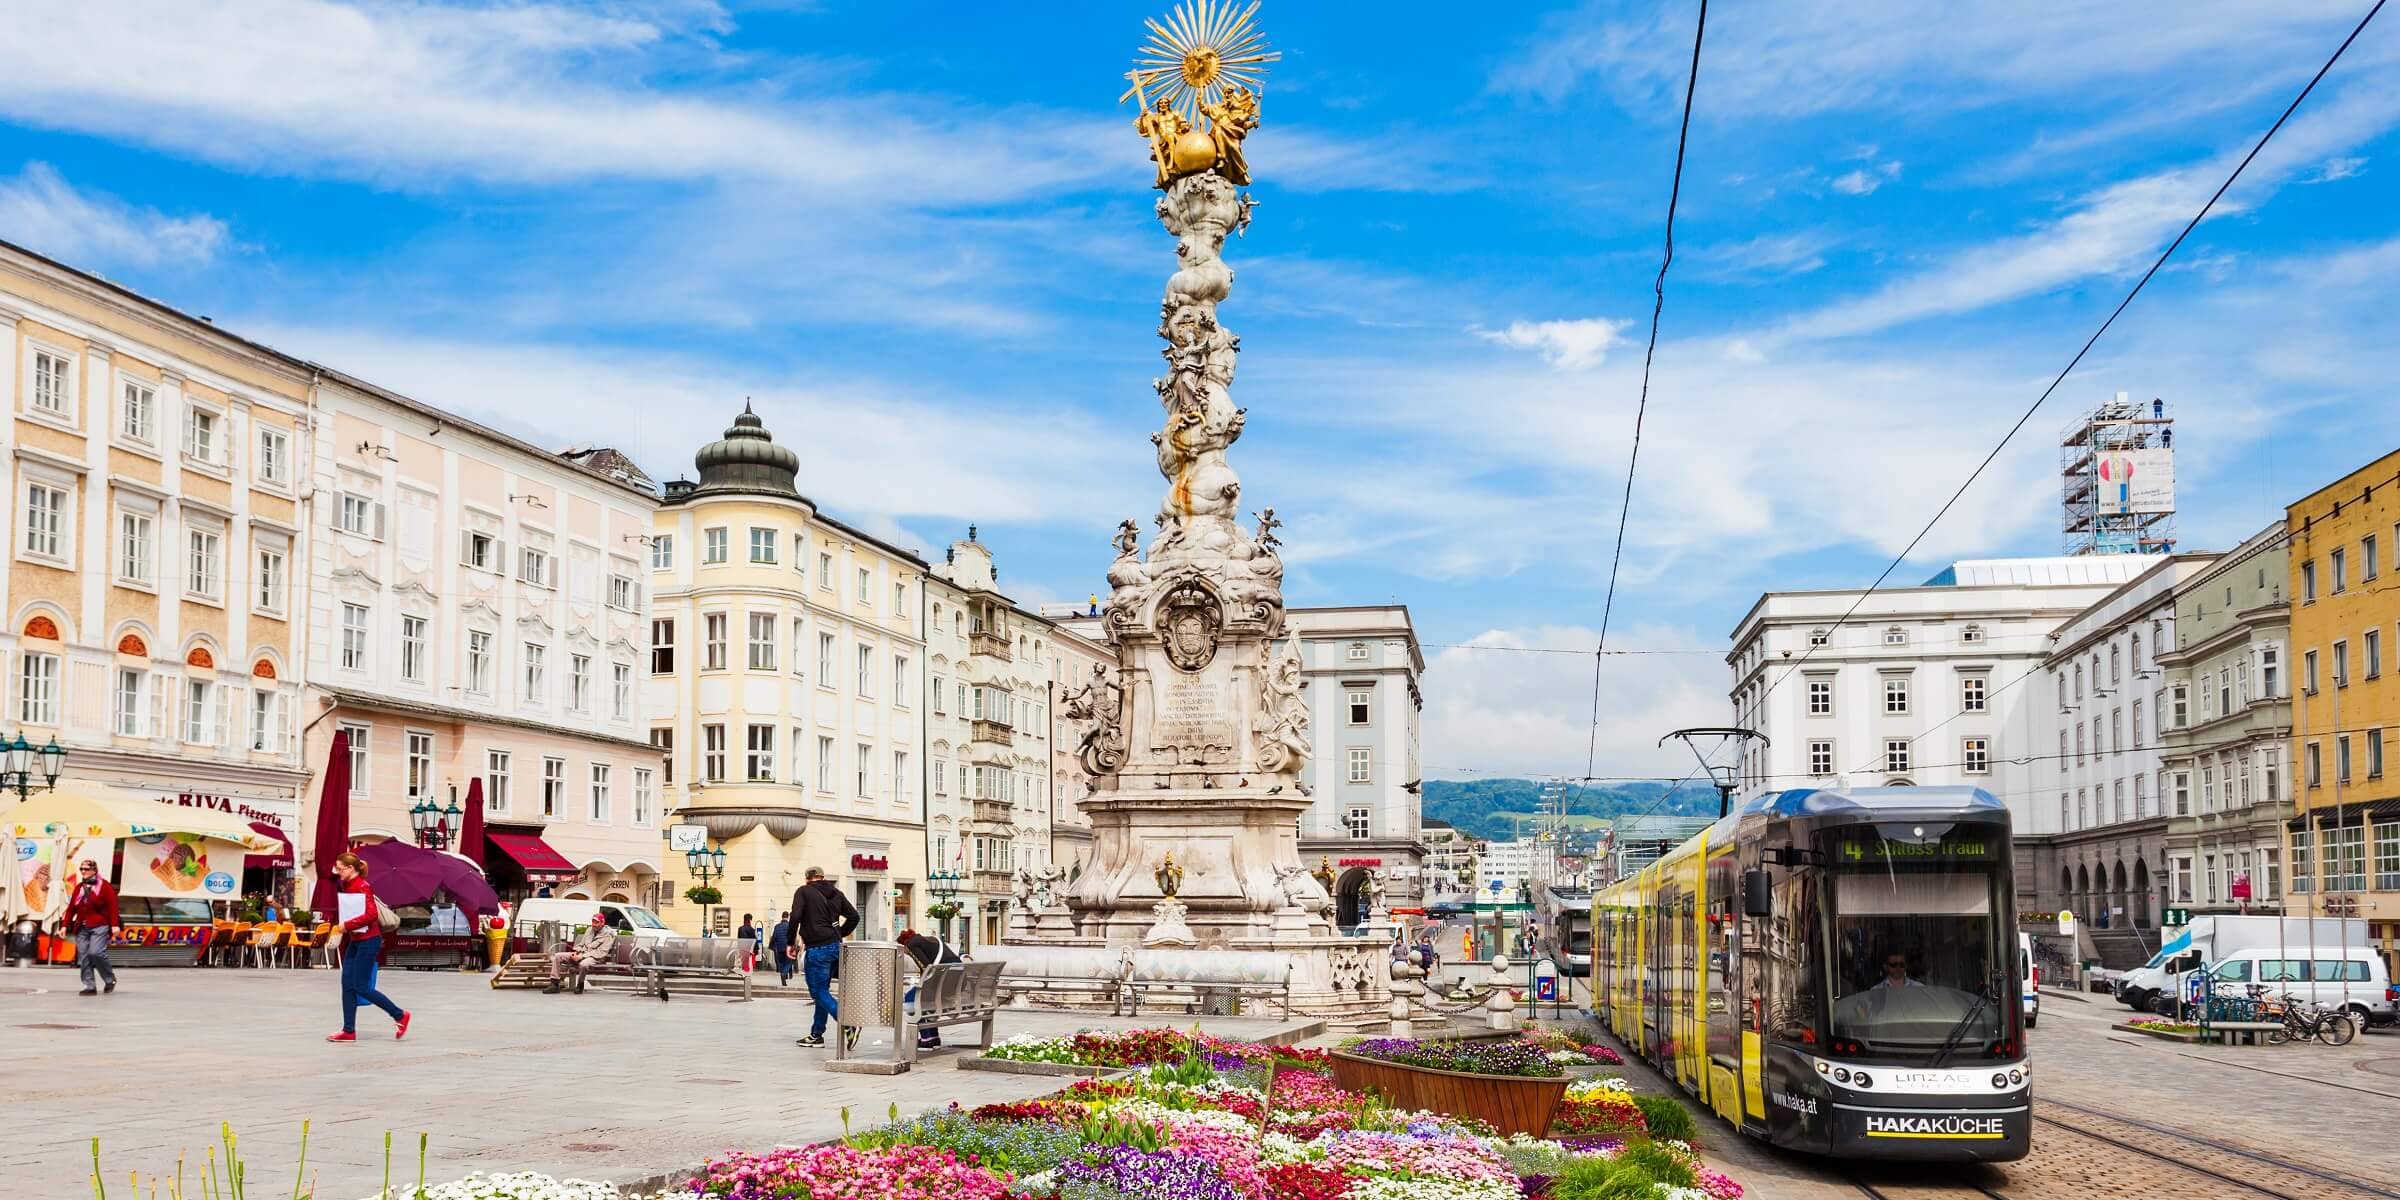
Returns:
(1545,988)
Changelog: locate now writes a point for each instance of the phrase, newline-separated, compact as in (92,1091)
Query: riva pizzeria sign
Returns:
(224,804)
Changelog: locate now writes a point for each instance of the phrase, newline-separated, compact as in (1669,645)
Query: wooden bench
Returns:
(959,993)
(2241,1033)
(692,958)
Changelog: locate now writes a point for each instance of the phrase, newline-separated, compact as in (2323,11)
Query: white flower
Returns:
(521,1186)
(1431,1189)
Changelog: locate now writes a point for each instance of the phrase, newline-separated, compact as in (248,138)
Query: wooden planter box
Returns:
(1509,1103)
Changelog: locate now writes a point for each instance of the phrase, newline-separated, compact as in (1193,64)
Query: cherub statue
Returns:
(1267,525)
(1024,888)
(1045,884)
(1230,119)
(1160,125)
(1129,537)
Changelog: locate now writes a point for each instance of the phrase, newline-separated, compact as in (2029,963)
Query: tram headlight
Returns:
(2016,1077)
(1861,1079)
(2000,1079)
(1841,1074)
(1823,1067)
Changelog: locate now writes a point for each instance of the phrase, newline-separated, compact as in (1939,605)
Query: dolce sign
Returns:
(869,862)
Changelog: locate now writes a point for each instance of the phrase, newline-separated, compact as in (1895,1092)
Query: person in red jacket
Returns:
(362,945)
(91,921)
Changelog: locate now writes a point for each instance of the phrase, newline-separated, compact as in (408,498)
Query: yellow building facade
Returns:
(786,679)
(154,466)
(2345,833)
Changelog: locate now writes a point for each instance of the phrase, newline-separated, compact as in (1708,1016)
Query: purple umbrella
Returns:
(403,874)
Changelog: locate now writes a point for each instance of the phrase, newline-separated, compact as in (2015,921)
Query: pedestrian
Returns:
(779,944)
(748,931)
(362,945)
(92,920)
(929,951)
(821,917)
(596,944)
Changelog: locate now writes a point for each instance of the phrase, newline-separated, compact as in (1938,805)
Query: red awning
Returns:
(276,860)
(533,854)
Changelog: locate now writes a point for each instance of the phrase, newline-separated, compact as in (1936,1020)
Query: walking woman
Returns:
(362,944)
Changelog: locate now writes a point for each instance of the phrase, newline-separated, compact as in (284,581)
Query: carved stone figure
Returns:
(1023,888)
(1162,126)
(1299,889)
(1045,885)
(1102,702)
(1190,621)
(1281,722)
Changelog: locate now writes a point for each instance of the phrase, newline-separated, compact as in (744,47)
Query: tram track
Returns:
(1902,1191)
(2252,1172)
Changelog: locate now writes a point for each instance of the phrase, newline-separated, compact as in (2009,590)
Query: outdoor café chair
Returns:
(262,943)
(301,942)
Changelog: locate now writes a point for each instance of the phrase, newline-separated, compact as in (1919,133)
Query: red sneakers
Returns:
(402,1030)
(343,1036)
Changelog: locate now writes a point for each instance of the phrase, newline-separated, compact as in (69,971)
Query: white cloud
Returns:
(1573,345)
(42,211)
(2334,169)
(1856,183)
(1768,255)
(1493,711)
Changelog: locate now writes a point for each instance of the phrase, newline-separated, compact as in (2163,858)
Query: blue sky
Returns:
(919,236)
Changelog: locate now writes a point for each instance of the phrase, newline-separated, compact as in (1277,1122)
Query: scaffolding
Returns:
(2098,456)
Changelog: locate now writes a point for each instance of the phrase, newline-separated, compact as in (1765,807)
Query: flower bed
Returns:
(1144,1047)
(1223,1122)
(1511,1085)
(2161,1027)
(1516,1058)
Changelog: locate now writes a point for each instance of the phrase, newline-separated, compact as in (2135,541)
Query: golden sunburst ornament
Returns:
(1203,48)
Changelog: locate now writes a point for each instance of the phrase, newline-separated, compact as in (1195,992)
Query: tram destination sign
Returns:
(1874,848)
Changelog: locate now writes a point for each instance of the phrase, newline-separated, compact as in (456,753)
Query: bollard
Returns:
(1501,1009)
(1404,985)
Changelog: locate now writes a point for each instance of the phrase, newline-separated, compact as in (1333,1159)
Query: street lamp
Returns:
(21,761)
(944,885)
(433,824)
(706,867)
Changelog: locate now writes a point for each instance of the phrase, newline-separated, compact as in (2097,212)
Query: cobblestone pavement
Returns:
(596,1086)
(2121,1114)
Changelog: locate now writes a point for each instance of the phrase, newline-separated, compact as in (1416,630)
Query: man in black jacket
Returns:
(821,917)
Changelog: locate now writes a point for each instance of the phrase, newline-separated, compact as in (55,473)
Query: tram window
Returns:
(1915,960)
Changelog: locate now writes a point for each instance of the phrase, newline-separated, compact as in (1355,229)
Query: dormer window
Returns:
(1895,636)
(1971,635)
(1818,637)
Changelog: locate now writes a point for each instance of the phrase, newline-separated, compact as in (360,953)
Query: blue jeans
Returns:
(817,966)
(358,981)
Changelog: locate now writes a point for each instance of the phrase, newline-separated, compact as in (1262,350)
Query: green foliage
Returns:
(1122,1131)
(1477,806)
(1658,1164)
(704,895)
(1667,1117)
(1593,1178)
(1191,1073)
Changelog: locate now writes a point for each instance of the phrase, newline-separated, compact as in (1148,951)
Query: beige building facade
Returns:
(785,682)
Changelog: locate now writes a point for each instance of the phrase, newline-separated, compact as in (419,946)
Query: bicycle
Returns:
(2303,1020)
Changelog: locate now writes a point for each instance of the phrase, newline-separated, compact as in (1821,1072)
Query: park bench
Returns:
(655,960)
(960,994)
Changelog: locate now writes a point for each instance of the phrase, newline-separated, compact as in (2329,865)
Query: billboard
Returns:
(181,865)
(2135,481)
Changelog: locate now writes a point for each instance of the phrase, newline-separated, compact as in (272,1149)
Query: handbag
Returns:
(385,917)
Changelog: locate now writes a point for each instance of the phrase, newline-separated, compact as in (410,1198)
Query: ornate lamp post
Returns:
(944,885)
(705,867)
(21,761)
(434,825)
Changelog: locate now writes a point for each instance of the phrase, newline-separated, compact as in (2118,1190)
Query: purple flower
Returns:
(1142,1175)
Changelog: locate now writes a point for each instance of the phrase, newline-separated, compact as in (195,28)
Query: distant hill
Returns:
(1482,807)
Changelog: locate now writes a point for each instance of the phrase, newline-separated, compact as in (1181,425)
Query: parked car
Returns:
(2155,986)
(2352,978)
(2030,977)
(572,915)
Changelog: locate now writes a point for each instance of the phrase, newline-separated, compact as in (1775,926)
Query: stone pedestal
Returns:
(1053,922)
(1169,929)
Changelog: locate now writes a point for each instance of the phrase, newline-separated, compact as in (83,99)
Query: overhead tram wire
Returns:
(2093,340)
(1658,305)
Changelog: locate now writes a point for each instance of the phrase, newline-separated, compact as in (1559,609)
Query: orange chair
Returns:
(298,944)
(263,942)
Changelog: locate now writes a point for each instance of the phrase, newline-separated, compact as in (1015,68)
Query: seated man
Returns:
(594,945)
(929,951)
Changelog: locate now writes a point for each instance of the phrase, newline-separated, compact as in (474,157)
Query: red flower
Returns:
(1307,1181)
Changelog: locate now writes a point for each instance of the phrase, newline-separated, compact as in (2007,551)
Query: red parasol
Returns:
(333,821)
(470,834)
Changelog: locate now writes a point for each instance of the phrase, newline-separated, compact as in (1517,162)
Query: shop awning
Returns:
(533,854)
(273,860)
(85,810)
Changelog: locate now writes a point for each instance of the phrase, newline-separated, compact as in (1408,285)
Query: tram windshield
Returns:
(1917,966)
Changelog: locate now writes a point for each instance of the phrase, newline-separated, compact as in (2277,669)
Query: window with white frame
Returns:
(1820,697)
(420,765)
(712,641)
(479,550)
(266,724)
(1357,652)
(536,674)
(825,572)
(2183,793)
(554,787)
(712,753)
(662,646)
(2371,647)
(662,739)
(900,680)
(759,764)
(479,662)
(762,545)
(1358,822)
(643,797)
(825,764)
(1972,634)
(204,566)
(1819,637)
(1362,764)
(1895,694)
(2137,722)
(1974,693)
(495,781)
(360,515)
(579,683)
(939,700)
(621,691)
(1895,636)
(1361,703)
(53,383)
(866,670)
(274,465)
(762,641)
(825,660)
(272,579)
(1895,755)
(354,637)
(2179,703)
(203,436)
(359,737)
(866,587)
(2341,663)
(137,412)
(413,648)
(602,792)
(137,547)
(1975,755)
(662,552)
(621,593)
(2141,796)
(45,520)
(1820,757)
(714,542)
(866,770)
(132,707)
(533,567)
(899,597)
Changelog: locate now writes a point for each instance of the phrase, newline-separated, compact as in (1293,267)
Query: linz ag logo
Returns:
(1935,1127)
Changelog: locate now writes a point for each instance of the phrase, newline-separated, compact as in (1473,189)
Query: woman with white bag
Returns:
(363,920)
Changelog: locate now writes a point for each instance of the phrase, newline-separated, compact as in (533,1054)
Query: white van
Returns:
(2351,977)
(2029,980)
(573,915)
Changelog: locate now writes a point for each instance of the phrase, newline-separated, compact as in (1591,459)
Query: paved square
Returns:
(599,1086)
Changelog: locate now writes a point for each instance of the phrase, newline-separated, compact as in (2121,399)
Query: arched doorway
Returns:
(2066,887)
(2083,892)
(2141,894)
(1349,898)
(2121,911)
